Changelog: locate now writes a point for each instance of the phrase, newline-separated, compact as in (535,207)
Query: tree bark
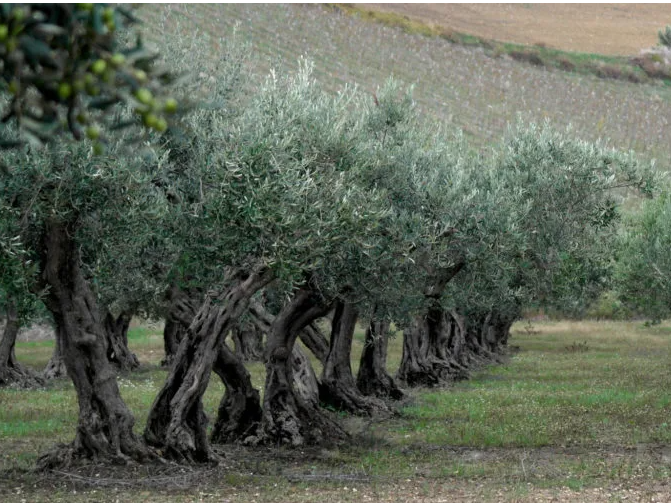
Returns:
(305,380)
(372,378)
(337,387)
(118,352)
(55,368)
(105,424)
(456,340)
(426,359)
(181,310)
(248,340)
(173,333)
(177,423)
(313,339)
(240,412)
(288,418)
(488,335)
(311,336)
(239,415)
(11,371)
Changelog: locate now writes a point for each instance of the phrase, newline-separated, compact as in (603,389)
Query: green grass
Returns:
(549,419)
(615,393)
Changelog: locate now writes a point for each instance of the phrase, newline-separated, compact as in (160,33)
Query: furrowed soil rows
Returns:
(613,29)
(463,86)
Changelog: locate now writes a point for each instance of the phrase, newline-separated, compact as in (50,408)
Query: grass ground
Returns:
(580,413)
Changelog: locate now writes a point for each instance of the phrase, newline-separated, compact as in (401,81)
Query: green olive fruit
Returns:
(92,90)
(140,75)
(88,7)
(93,132)
(4,32)
(64,91)
(98,148)
(108,14)
(99,67)
(118,59)
(144,96)
(18,14)
(108,76)
(78,85)
(150,120)
(161,125)
(170,106)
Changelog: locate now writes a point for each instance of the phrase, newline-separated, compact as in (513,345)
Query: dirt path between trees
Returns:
(278,475)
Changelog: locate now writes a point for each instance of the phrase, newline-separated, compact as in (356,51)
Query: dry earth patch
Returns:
(612,29)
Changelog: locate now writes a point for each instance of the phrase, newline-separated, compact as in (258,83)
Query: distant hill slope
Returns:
(613,29)
(462,86)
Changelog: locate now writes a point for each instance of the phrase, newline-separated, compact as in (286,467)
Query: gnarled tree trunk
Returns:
(239,415)
(176,422)
(337,387)
(173,333)
(118,351)
(456,341)
(305,381)
(313,339)
(311,336)
(288,418)
(181,310)
(105,425)
(11,371)
(372,378)
(55,368)
(248,340)
(489,335)
(426,359)
(478,328)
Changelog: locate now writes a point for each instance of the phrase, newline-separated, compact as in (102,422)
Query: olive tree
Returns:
(17,303)
(527,225)
(642,266)
(568,195)
(60,197)
(273,201)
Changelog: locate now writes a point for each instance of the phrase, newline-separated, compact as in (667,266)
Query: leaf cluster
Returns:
(69,67)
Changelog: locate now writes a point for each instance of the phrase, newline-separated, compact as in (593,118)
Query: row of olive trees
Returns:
(351,205)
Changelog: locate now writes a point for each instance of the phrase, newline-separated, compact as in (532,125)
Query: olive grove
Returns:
(285,212)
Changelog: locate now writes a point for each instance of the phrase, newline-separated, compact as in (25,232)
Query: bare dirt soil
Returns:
(242,477)
(612,29)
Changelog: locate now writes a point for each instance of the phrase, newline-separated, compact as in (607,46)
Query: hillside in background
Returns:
(461,85)
(613,29)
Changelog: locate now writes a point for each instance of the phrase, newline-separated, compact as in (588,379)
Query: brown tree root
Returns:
(20,376)
(63,456)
